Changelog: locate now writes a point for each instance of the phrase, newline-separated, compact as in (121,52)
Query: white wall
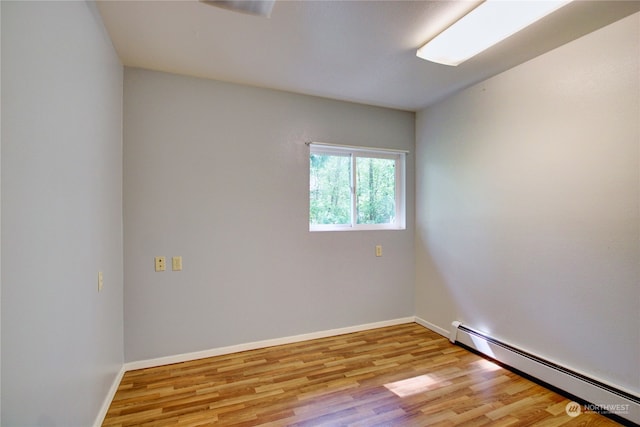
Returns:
(62,341)
(218,173)
(528,202)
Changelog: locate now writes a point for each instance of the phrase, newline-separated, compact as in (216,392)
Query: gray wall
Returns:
(0,220)
(62,341)
(218,174)
(528,201)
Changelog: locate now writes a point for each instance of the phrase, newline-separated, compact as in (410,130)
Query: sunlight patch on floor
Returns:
(486,365)
(415,385)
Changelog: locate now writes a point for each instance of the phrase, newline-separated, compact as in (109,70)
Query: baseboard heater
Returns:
(596,395)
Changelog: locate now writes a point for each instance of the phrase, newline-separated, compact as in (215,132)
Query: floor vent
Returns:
(596,395)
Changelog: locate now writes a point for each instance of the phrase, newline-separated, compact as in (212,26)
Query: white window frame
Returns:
(399,156)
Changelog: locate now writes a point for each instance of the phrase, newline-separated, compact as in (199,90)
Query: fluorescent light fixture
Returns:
(252,7)
(486,25)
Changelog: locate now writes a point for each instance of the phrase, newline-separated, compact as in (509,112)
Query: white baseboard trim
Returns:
(434,328)
(160,361)
(109,398)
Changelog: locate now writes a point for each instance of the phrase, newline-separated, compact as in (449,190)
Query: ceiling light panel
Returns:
(486,25)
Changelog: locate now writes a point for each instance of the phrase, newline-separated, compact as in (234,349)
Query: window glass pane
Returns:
(375,189)
(330,189)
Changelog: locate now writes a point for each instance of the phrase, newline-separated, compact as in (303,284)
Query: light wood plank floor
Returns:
(402,375)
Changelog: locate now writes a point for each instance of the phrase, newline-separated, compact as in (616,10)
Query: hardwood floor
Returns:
(402,375)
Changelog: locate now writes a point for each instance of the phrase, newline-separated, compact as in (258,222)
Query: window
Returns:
(353,188)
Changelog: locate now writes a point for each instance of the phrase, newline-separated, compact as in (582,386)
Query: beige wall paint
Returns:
(528,206)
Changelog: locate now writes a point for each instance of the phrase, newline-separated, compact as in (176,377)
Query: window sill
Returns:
(356,228)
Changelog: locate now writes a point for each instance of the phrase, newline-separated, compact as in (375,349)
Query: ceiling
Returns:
(359,51)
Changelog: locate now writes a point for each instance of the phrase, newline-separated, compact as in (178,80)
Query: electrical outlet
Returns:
(378,250)
(161,263)
(176,263)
